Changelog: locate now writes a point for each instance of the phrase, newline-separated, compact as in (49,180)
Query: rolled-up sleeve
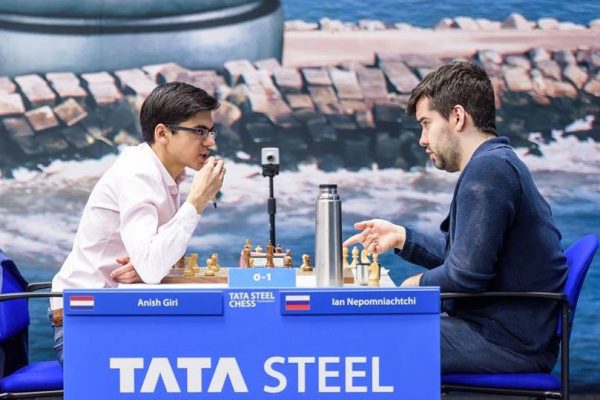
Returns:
(153,250)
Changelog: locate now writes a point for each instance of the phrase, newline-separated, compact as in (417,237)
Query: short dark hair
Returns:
(173,103)
(459,82)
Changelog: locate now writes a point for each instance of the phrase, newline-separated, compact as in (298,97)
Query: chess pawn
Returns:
(364,257)
(306,263)
(374,271)
(194,263)
(181,263)
(355,254)
(287,260)
(345,258)
(209,270)
(215,262)
(279,248)
(258,249)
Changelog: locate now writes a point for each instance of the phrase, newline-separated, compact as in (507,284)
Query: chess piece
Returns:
(194,263)
(209,270)
(279,248)
(270,247)
(355,253)
(258,249)
(215,262)
(287,260)
(243,258)
(306,263)
(270,261)
(364,257)
(189,267)
(374,271)
(345,258)
(245,261)
(178,268)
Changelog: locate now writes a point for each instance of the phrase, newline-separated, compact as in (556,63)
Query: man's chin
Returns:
(446,167)
(196,166)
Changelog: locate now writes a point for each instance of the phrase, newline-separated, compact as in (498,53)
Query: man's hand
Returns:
(378,236)
(412,281)
(207,182)
(126,273)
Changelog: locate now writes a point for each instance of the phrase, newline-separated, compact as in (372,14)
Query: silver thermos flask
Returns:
(328,238)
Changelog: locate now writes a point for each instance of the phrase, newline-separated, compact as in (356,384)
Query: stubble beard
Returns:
(448,154)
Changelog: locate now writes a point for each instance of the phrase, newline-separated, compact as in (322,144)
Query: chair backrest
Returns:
(14,314)
(579,257)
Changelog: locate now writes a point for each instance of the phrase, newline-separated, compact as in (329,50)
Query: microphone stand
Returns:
(271,170)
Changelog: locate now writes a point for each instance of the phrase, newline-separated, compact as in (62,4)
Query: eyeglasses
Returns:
(202,133)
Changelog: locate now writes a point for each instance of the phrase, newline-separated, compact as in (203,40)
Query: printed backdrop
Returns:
(59,133)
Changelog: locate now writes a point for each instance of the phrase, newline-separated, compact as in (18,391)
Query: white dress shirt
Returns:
(134,210)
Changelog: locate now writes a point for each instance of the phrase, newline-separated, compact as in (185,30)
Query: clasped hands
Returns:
(126,273)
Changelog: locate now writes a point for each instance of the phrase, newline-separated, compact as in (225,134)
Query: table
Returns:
(261,343)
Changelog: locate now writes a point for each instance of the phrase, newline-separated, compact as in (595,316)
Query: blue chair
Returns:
(21,379)
(579,257)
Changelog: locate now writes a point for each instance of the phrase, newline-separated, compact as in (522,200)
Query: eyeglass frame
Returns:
(203,133)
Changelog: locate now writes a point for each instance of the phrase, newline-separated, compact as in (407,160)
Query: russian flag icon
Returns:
(81,302)
(295,302)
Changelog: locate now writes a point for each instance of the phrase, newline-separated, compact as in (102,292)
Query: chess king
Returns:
(134,227)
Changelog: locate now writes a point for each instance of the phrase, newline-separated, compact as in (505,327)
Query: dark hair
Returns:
(173,103)
(459,82)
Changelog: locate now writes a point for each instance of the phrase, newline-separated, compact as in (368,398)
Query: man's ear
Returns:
(458,117)
(161,134)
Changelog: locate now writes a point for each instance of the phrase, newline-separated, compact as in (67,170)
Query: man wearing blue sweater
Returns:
(499,234)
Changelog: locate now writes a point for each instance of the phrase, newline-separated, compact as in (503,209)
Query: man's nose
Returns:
(423,140)
(208,141)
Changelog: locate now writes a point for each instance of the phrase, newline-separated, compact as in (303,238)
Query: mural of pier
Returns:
(341,114)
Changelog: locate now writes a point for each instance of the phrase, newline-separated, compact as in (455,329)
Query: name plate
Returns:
(143,302)
(362,301)
(262,277)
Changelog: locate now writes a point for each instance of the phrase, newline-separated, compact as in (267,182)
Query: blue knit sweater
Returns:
(498,236)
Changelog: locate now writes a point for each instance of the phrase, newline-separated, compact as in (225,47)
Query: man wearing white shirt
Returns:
(133,228)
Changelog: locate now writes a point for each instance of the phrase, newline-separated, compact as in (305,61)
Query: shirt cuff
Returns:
(189,216)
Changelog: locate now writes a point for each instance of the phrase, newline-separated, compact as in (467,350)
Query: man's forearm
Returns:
(153,255)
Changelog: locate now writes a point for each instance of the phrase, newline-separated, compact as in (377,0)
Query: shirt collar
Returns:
(181,177)
(491,144)
(167,178)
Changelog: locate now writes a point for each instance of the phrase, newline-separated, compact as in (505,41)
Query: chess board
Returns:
(176,277)
(222,276)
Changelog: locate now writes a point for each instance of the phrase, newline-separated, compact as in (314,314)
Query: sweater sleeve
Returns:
(486,205)
(427,251)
